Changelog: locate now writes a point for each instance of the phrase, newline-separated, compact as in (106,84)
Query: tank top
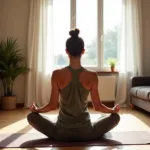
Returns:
(73,111)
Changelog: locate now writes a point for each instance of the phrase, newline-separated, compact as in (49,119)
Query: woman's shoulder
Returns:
(90,71)
(60,71)
(65,71)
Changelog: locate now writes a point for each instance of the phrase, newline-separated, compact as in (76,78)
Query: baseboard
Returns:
(20,105)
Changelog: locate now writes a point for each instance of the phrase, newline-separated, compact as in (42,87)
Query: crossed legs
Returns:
(42,124)
(104,125)
(47,127)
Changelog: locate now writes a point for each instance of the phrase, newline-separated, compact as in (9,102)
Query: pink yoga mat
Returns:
(31,140)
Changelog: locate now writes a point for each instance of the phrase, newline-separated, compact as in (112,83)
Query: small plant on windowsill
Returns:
(112,63)
(11,66)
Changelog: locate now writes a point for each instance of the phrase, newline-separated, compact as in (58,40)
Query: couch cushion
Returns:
(142,92)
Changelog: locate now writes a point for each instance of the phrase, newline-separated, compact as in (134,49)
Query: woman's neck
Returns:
(75,63)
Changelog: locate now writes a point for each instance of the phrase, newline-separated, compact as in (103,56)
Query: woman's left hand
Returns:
(33,108)
(116,108)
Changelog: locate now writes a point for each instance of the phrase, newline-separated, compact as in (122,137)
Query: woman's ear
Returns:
(67,51)
(83,51)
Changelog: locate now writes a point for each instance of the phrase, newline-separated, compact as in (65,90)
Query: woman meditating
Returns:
(74,83)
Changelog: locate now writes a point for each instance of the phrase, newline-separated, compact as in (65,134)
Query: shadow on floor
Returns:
(45,142)
(13,137)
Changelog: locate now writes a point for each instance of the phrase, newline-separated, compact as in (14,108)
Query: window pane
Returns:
(112,17)
(61,27)
(86,11)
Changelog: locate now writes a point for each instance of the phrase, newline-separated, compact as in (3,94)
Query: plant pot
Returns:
(8,102)
(112,69)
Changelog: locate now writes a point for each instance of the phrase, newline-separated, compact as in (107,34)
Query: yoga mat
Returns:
(31,140)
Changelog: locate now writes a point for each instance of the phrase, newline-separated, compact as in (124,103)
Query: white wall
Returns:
(14,15)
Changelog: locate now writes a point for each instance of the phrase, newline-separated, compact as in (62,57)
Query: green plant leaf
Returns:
(11,63)
(112,62)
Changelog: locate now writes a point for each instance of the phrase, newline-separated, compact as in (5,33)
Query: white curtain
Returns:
(39,53)
(130,50)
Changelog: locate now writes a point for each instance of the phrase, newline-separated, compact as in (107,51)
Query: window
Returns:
(61,27)
(112,17)
(86,21)
(99,22)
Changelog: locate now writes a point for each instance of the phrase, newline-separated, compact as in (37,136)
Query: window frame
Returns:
(100,44)
(73,18)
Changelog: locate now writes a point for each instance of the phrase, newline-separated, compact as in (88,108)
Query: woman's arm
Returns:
(53,103)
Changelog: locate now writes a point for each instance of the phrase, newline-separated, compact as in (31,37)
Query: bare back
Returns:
(64,77)
(88,79)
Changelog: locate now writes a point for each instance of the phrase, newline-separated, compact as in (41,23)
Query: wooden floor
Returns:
(134,120)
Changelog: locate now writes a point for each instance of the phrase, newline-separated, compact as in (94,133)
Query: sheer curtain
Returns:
(39,53)
(130,50)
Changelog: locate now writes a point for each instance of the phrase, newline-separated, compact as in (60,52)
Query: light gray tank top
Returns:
(73,103)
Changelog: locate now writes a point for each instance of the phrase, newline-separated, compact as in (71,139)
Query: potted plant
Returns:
(11,65)
(112,63)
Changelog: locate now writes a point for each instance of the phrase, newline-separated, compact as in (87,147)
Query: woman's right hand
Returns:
(33,107)
(116,108)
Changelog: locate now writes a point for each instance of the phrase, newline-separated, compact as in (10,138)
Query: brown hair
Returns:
(74,44)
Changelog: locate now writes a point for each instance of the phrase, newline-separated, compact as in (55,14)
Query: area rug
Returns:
(32,140)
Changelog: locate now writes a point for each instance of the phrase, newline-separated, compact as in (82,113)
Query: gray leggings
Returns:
(55,132)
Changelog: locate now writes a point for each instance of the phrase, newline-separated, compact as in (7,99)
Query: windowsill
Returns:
(107,72)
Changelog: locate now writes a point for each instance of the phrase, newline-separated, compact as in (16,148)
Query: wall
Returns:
(14,15)
(146,35)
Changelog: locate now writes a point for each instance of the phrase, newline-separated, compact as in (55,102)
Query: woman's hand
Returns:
(33,107)
(116,108)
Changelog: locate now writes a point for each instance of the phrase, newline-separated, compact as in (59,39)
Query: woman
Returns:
(74,83)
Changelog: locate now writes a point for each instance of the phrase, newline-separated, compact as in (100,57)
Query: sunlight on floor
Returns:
(14,127)
(131,120)
(128,122)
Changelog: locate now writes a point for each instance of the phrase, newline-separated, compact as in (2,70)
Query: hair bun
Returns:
(74,33)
